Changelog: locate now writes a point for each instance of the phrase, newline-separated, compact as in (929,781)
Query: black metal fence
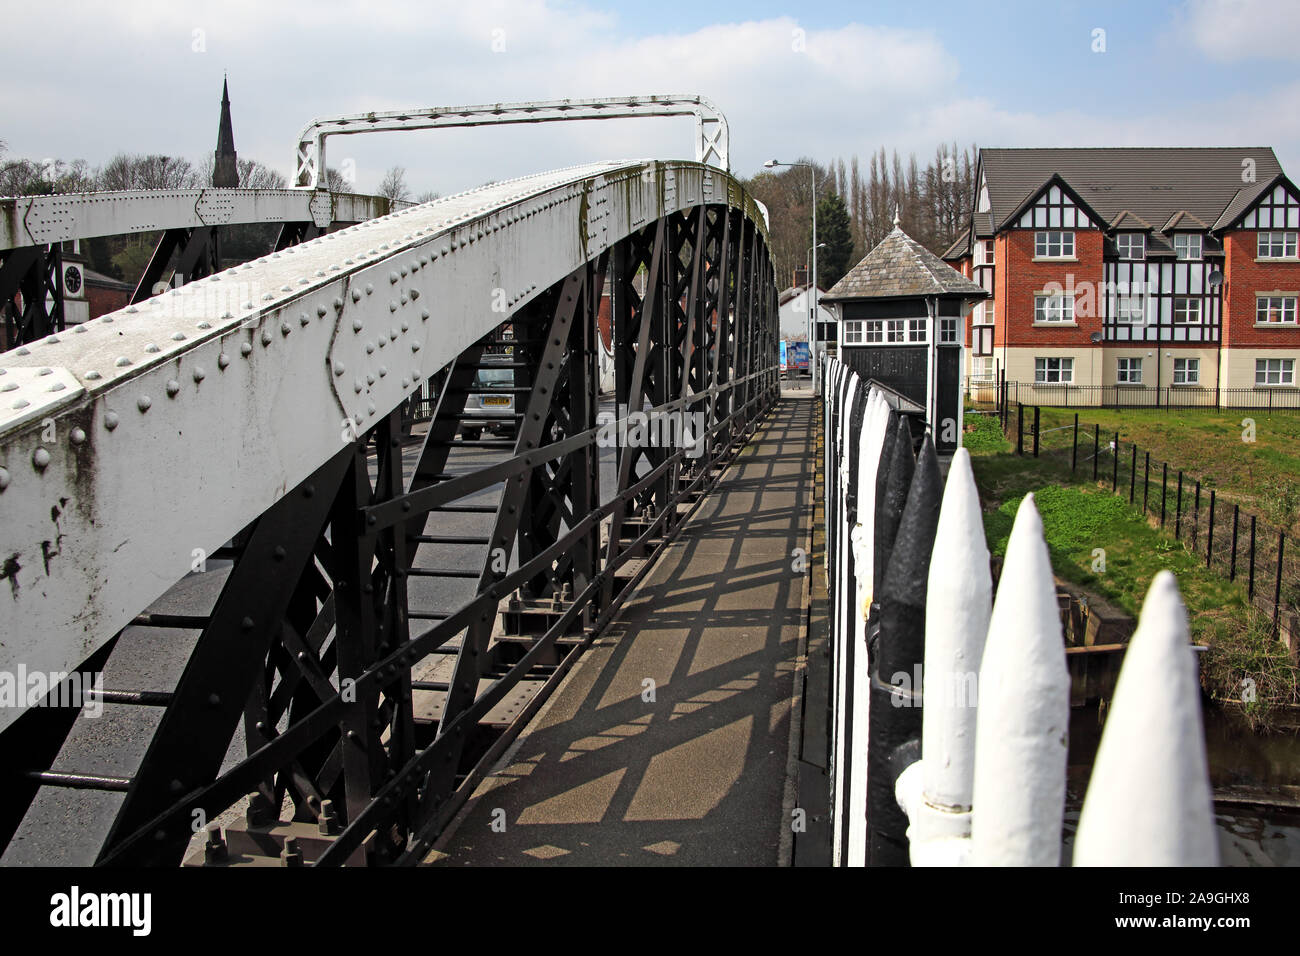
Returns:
(1234,542)
(984,392)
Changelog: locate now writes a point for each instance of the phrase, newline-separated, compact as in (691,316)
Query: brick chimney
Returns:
(800,277)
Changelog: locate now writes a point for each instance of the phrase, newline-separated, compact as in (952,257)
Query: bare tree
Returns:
(428,196)
(393,185)
(155,171)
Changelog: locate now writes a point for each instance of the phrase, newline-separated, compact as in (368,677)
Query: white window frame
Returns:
(981,367)
(853,332)
(1285,308)
(1064,370)
(1190,371)
(917,330)
(1186,301)
(948,330)
(1126,373)
(1189,241)
(1131,246)
(1053,308)
(1267,242)
(1045,239)
(1284,372)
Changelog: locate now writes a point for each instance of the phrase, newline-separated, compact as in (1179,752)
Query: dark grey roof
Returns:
(960,246)
(1151,183)
(901,266)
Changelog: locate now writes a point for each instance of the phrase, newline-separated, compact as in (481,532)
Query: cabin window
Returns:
(1129,371)
(853,332)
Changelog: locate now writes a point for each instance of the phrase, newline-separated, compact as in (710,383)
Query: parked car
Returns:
(486,412)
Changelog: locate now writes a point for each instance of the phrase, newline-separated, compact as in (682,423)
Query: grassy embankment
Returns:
(1079,516)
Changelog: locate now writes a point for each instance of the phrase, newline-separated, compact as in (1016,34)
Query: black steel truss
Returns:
(313,642)
(29,276)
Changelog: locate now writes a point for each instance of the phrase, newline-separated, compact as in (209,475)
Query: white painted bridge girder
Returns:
(144,438)
(41,220)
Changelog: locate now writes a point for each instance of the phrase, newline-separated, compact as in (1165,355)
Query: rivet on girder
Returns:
(223,360)
(152,349)
(304,319)
(403,298)
(21,404)
(338,304)
(320,312)
(338,368)
(122,361)
(285,328)
(415,346)
(392,334)
(370,348)
(199,374)
(392,305)
(415,294)
(22,350)
(406,326)
(173,388)
(143,403)
(357,325)
(78,436)
(245,349)
(424,315)
(41,459)
(4,478)
(266,337)
(93,376)
(357,386)
(46,371)
(392,277)
(356,295)
(383,370)
(369,288)
(110,420)
(202,326)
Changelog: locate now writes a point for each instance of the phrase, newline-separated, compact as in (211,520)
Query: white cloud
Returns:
(127,78)
(1231,30)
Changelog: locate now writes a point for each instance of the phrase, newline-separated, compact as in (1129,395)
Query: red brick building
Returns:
(1134,275)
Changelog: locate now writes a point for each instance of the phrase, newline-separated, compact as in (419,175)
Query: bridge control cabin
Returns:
(900,315)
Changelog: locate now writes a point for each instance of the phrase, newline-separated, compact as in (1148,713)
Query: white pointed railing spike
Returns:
(1024,709)
(874,425)
(959,599)
(1149,800)
(842,603)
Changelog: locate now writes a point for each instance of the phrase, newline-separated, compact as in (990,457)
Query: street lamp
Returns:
(812,328)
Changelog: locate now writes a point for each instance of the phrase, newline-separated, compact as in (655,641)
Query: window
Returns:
(1053,371)
(1187,311)
(1053,307)
(1187,245)
(988,313)
(1187,371)
(1276,245)
(1275,371)
(948,331)
(1275,309)
(853,332)
(1129,310)
(1053,245)
(916,330)
(895,330)
(981,367)
(1129,372)
(1131,245)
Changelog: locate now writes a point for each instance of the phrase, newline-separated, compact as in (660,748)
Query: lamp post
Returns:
(812,327)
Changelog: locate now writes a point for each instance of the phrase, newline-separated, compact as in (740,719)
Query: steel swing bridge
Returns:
(257,415)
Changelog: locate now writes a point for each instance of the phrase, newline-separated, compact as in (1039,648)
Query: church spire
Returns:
(225,171)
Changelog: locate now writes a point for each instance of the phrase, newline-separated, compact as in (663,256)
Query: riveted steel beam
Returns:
(711,130)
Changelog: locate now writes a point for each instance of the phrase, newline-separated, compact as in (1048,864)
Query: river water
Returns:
(1248,836)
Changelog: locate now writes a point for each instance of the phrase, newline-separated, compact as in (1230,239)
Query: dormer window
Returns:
(1131,245)
(1187,246)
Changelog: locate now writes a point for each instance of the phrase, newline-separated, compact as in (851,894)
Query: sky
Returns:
(827,80)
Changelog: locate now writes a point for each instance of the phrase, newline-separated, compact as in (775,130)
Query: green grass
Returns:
(1262,476)
(1079,518)
(983,435)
